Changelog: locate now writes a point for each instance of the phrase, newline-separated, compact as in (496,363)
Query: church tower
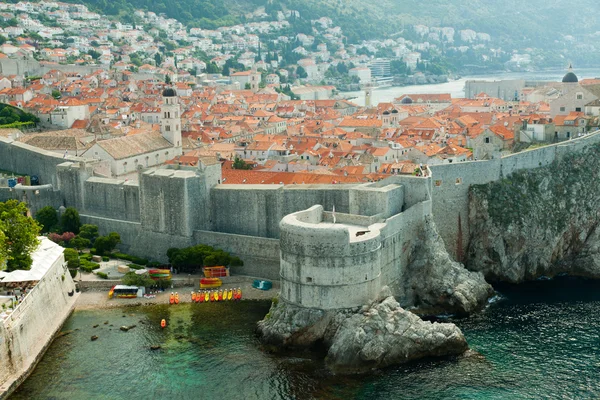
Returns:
(170,121)
(368,95)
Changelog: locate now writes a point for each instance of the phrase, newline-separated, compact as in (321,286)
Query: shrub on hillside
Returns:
(133,259)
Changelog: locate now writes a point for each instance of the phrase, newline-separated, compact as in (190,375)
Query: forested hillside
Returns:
(513,23)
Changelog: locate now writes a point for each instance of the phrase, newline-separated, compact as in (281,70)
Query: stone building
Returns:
(129,153)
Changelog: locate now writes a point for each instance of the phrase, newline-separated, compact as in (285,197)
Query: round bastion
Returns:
(329,265)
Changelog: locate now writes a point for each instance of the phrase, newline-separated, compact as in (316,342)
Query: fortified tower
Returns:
(170,122)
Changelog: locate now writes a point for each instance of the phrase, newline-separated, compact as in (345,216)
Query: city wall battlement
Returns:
(181,206)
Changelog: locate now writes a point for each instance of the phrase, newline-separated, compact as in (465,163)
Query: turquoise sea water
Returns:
(540,340)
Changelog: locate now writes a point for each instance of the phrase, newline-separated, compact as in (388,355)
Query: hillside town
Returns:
(159,93)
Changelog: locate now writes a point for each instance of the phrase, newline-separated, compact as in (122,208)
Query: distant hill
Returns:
(531,22)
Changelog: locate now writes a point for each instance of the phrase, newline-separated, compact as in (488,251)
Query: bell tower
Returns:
(170,119)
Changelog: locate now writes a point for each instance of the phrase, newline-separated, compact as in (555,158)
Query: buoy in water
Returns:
(163,323)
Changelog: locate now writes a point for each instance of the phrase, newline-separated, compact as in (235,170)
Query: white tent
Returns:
(43,258)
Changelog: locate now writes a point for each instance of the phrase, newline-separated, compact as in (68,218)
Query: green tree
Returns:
(133,279)
(19,234)
(80,243)
(56,94)
(106,244)
(238,163)
(89,232)
(247,86)
(301,72)
(3,246)
(70,220)
(47,218)
(212,68)
(158,59)
(72,258)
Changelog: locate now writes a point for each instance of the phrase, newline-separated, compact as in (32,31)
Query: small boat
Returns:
(176,298)
(200,297)
(206,297)
(212,295)
(262,285)
(229,294)
(220,295)
(239,293)
(172,298)
(193,297)
(163,323)
(210,283)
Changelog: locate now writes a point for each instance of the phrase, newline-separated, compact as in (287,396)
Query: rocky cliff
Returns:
(359,340)
(437,284)
(540,222)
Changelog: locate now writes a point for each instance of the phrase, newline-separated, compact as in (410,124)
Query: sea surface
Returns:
(457,87)
(537,340)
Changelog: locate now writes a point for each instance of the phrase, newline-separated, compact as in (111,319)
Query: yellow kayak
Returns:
(230,294)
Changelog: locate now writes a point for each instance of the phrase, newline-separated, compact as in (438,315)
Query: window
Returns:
(168,128)
(578,109)
(562,109)
(487,139)
(579,96)
(458,181)
(308,279)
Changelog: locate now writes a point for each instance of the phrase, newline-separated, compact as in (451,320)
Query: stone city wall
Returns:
(112,198)
(451,182)
(172,204)
(27,333)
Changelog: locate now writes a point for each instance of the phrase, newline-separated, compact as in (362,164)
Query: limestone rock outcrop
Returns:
(385,335)
(539,222)
(359,340)
(437,284)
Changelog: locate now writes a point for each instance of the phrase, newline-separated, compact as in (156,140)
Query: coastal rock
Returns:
(437,284)
(360,339)
(126,328)
(290,326)
(387,334)
(539,222)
